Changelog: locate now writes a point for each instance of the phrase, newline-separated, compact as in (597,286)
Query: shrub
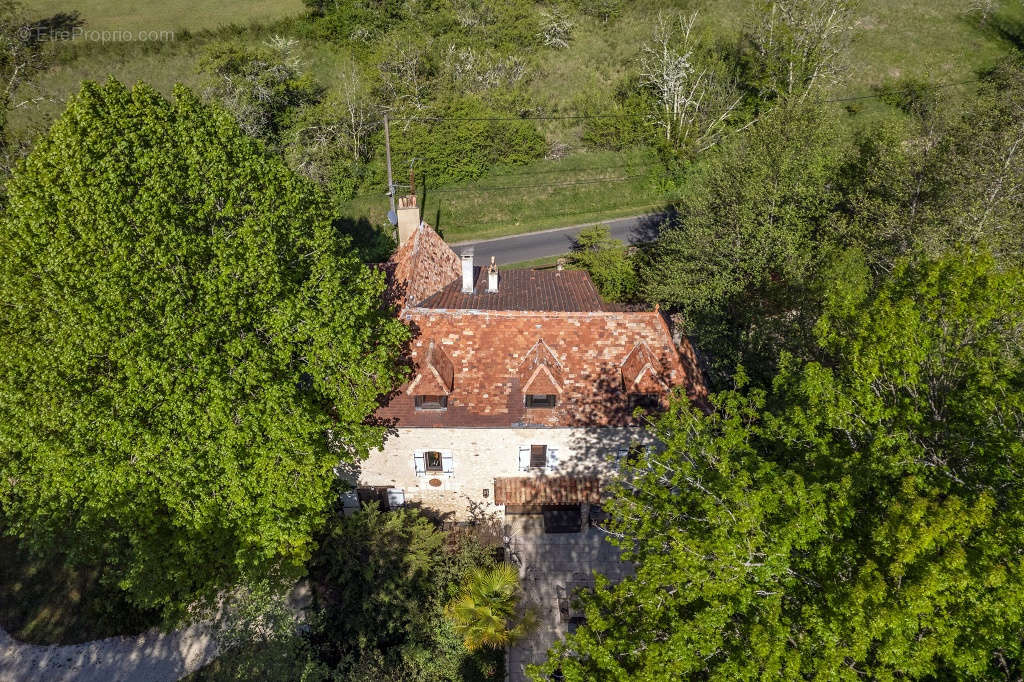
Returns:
(452,142)
(609,262)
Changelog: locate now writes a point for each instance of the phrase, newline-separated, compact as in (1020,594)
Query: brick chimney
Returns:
(408,218)
(492,277)
(467,270)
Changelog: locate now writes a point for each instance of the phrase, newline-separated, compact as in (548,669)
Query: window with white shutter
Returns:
(552,458)
(435,460)
(524,457)
(431,462)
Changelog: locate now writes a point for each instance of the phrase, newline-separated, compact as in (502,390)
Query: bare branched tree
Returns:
(21,57)
(340,128)
(800,45)
(405,78)
(984,9)
(259,86)
(471,70)
(556,29)
(695,99)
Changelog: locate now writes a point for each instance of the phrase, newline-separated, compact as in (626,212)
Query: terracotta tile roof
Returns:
(435,375)
(543,332)
(490,349)
(641,371)
(547,490)
(421,266)
(533,290)
(541,372)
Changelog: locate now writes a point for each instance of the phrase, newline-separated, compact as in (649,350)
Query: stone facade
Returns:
(480,455)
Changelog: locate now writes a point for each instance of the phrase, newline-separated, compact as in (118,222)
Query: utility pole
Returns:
(387,152)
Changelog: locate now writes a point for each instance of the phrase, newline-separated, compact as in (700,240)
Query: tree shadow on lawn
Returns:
(1001,26)
(46,601)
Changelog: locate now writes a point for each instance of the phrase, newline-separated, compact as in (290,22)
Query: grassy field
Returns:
(536,264)
(935,39)
(169,15)
(582,188)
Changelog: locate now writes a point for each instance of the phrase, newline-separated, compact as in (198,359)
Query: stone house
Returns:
(523,388)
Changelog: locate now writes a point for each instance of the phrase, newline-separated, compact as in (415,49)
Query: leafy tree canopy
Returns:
(742,257)
(190,347)
(862,519)
(381,581)
(608,261)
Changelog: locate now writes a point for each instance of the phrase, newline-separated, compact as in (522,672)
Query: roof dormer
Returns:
(641,371)
(540,372)
(435,374)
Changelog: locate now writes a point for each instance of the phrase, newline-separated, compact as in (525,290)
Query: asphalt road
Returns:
(547,243)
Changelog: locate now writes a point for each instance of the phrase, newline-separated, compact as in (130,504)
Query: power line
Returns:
(904,90)
(552,184)
(571,117)
(582,117)
(576,170)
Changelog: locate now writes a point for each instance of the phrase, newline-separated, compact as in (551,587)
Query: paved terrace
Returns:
(552,566)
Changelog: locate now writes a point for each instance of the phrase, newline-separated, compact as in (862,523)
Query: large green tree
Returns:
(380,584)
(189,348)
(749,239)
(860,520)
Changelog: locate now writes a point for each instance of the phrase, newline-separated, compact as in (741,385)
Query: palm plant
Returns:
(486,613)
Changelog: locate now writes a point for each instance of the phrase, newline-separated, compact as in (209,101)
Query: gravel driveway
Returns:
(153,656)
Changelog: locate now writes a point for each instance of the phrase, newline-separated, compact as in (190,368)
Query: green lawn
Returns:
(47,602)
(168,15)
(936,39)
(536,264)
(534,197)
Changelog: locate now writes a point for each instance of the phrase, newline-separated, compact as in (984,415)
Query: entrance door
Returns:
(562,518)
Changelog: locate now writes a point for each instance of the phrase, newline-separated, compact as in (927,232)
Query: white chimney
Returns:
(408,218)
(492,277)
(467,270)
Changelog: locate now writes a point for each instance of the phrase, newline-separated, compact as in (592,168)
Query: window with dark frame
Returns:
(538,456)
(533,400)
(431,402)
(433,460)
(647,401)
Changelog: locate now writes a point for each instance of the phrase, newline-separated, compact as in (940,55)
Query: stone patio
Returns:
(552,567)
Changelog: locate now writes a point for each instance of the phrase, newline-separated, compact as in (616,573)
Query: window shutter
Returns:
(552,458)
(421,463)
(524,457)
(447,462)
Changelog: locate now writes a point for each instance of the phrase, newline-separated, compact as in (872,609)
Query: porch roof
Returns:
(547,490)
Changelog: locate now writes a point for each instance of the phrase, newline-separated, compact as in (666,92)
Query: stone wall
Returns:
(479,455)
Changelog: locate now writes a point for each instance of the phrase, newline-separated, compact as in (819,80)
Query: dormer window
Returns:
(431,402)
(434,378)
(540,401)
(647,401)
